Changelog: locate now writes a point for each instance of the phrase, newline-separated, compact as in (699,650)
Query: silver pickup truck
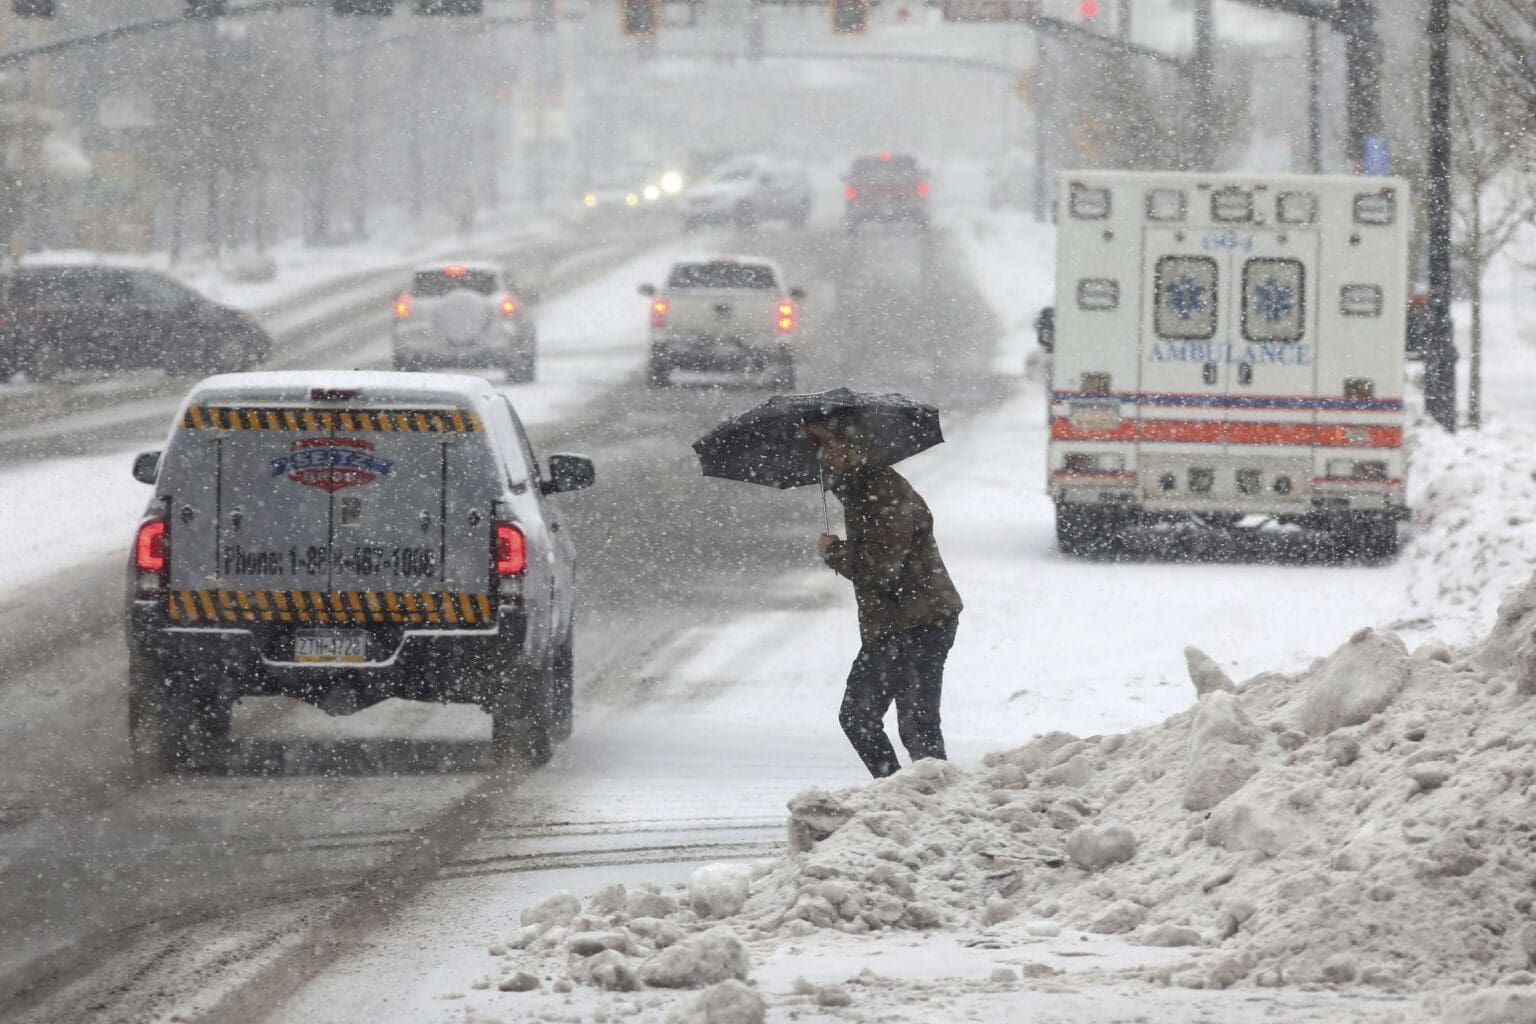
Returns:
(726,313)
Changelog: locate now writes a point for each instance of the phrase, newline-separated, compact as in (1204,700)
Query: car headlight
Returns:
(671,183)
(590,200)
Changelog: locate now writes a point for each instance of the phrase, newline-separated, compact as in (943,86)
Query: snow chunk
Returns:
(1497,1005)
(1221,751)
(705,959)
(815,815)
(1246,822)
(1170,935)
(592,943)
(559,909)
(729,1002)
(609,970)
(1094,849)
(1122,916)
(1354,683)
(1205,673)
(719,890)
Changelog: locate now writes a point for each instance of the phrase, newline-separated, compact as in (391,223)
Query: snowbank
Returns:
(1366,825)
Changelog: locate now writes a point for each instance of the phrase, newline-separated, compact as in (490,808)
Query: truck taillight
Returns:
(149,556)
(922,189)
(850,193)
(659,313)
(403,307)
(786,320)
(508,306)
(511,550)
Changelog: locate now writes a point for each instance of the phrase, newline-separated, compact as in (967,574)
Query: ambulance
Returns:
(1226,347)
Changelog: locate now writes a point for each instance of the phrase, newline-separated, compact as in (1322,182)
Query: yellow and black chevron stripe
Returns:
(195,607)
(395,421)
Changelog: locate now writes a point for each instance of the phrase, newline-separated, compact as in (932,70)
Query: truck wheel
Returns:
(783,375)
(520,723)
(1369,537)
(521,370)
(170,726)
(659,372)
(563,691)
(1083,531)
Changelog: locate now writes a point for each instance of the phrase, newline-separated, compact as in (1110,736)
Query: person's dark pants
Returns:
(908,668)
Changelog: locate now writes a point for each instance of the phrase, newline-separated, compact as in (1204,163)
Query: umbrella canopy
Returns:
(765,445)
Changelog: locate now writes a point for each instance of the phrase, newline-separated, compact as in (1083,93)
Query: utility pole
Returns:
(413,125)
(363,32)
(1314,99)
(1202,77)
(1040,84)
(318,164)
(213,228)
(1440,354)
(1362,69)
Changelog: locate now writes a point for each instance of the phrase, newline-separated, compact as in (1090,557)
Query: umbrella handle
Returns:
(826,513)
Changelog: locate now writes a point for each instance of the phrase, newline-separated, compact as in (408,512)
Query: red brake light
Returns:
(508,306)
(455,270)
(922,189)
(850,193)
(659,313)
(511,550)
(786,321)
(402,307)
(885,158)
(149,547)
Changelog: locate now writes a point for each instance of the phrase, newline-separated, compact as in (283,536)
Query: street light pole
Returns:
(1202,72)
(1440,356)
(1314,100)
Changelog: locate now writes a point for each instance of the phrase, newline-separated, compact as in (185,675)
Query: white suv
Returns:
(745,192)
(464,315)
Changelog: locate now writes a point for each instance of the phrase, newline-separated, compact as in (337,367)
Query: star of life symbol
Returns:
(1273,300)
(1186,297)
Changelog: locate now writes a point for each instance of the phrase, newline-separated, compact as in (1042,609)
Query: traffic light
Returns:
(33,8)
(850,16)
(374,8)
(1088,9)
(206,8)
(450,8)
(641,17)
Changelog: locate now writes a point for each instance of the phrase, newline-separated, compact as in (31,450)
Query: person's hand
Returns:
(825,544)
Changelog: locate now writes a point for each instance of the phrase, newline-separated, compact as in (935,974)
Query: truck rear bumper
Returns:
(450,665)
(707,352)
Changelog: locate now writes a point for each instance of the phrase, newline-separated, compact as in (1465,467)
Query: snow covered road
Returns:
(363,864)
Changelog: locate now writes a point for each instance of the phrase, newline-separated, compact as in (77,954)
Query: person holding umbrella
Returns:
(908,607)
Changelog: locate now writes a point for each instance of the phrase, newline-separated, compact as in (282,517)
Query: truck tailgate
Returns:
(330,515)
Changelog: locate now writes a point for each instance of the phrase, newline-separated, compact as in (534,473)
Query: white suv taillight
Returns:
(786,317)
(659,313)
(508,306)
(151,557)
(403,307)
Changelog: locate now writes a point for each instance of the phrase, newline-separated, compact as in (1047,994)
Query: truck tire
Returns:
(562,700)
(659,373)
(1082,530)
(783,378)
(1370,537)
(521,370)
(520,722)
(170,725)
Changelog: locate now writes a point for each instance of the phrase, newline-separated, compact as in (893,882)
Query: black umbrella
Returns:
(766,445)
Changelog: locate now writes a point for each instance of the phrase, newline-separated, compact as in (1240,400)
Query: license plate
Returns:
(330,646)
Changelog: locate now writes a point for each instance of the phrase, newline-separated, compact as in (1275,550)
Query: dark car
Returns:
(885,189)
(54,319)
(345,537)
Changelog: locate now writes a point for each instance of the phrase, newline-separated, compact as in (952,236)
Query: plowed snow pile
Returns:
(1369,822)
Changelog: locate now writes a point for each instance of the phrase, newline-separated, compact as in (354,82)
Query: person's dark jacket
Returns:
(899,579)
